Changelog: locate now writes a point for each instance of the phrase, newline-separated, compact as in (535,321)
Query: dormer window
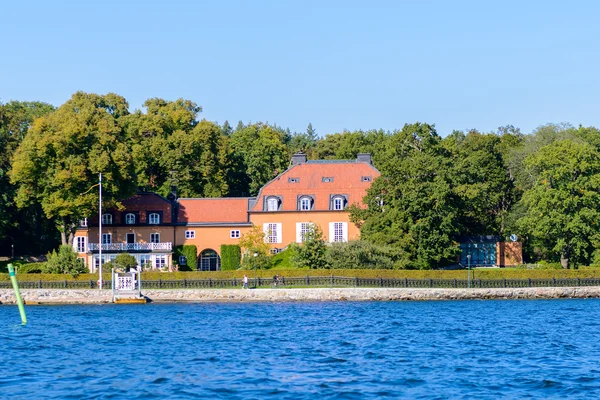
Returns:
(305,203)
(130,218)
(365,179)
(338,203)
(154,218)
(327,179)
(293,180)
(272,203)
(107,219)
(83,223)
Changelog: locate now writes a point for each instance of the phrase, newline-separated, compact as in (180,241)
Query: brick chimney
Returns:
(364,157)
(298,158)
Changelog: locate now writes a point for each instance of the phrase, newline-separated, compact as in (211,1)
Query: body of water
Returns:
(341,350)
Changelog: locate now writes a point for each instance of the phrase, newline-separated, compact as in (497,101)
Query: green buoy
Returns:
(15,284)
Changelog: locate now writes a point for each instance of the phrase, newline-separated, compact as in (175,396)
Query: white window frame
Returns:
(190,234)
(130,219)
(107,219)
(273,232)
(80,244)
(106,238)
(338,203)
(155,237)
(154,218)
(160,261)
(305,203)
(145,260)
(301,229)
(83,223)
(234,234)
(272,204)
(338,232)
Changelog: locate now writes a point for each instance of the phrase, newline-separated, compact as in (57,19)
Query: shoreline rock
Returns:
(95,296)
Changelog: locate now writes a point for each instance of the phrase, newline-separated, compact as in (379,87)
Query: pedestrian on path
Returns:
(245,282)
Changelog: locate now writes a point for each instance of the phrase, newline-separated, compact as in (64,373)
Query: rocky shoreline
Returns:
(94,296)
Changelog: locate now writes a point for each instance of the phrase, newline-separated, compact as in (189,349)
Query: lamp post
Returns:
(469,271)
(100,283)
(255,268)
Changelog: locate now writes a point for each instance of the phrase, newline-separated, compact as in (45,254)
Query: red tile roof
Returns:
(347,180)
(213,210)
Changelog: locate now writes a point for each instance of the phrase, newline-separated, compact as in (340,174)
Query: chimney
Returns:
(173,195)
(363,157)
(298,158)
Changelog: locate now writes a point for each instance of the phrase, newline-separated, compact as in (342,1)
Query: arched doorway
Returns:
(209,261)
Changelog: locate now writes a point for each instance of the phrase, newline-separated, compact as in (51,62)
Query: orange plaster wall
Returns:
(288,222)
(209,237)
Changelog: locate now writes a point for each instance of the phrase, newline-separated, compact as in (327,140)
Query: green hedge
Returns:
(190,252)
(231,257)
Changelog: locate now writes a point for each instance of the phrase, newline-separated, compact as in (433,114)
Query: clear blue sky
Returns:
(338,64)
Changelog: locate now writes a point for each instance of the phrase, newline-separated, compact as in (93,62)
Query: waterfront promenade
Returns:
(95,296)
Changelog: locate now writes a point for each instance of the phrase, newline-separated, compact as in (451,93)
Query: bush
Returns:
(190,252)
(231,257)
(33,268)
(283,260)
(123,262)
(313,250)
(64,261)
(360,254)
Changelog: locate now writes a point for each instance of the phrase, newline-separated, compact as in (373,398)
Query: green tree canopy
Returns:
(562,209)
(63,153)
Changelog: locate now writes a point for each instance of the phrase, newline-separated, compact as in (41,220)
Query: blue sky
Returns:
(337,64)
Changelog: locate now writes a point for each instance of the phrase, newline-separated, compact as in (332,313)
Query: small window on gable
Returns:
(107,219)
(154,218)
(130,219)
(293,180)
(365,179)
(327,179)
(272,204)
(83,223)
(234,234)
(305,203)
(190,234)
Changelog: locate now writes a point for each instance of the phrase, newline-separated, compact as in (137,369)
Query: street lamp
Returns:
(469,271)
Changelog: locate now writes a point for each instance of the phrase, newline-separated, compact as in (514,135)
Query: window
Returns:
(106,238)
(234,234)
(80,244)
(155,238)
(130,218)
(302,228)
(338,203)
(160,261)
(130,238)
(365,179)
(83,223)
(272,232)
(327,179)
(190,234)
(154,218)
(145,261)
(293,180)
(338,231)
(107,219)
(272,204)
(304,204)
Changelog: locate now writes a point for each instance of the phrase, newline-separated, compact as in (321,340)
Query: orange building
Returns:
(309,192)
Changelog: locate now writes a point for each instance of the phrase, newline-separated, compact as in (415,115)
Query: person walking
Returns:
(245,282)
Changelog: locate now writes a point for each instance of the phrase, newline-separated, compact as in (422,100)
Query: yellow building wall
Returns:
(288,222)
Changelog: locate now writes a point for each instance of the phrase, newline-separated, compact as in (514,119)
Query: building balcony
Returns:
(116,247)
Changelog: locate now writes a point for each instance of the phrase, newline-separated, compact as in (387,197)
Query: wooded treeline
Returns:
(542,186)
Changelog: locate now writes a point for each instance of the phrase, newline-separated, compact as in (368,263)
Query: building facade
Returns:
(309,192)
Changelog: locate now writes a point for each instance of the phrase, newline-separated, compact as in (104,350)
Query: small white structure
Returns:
(127,287)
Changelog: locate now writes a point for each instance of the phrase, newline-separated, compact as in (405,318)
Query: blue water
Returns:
(450,349)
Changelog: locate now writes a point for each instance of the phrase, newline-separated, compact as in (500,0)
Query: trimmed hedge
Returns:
(231,257)
(190,252)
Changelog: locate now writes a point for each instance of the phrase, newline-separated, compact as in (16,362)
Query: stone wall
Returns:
(94,296)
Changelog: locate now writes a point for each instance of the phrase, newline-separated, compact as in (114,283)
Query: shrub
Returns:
(231,257)
(312,252)
(360,254)
(33,268)
(124,262)
(64,261)
(190,252)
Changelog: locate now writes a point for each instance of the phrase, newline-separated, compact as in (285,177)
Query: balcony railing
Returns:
(168,246)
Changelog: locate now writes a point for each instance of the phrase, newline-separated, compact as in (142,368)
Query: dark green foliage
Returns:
(32,268)
(64,261)
(360,254)
(124,262)
(231,257)
(311,253)
(190,252)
